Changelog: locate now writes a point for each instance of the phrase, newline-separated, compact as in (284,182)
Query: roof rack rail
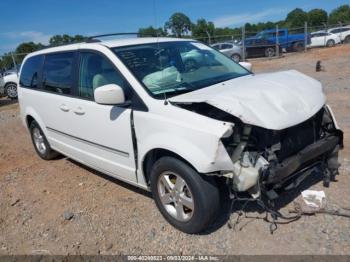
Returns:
(92,39)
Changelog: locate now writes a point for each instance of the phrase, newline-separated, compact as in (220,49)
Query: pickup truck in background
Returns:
(264,43)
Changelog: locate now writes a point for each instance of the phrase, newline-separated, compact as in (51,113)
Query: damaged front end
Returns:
(265,160)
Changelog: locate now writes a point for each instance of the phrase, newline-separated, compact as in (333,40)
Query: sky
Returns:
(38,20)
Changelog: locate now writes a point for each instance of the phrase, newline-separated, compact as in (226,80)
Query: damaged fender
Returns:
(198,140)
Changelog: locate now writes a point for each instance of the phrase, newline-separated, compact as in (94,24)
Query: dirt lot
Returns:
(111,217)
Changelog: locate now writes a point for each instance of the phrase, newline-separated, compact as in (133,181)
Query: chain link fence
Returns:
(11,62)
(276,41)
(269,43)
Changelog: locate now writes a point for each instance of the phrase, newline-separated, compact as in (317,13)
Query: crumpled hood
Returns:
(273,100)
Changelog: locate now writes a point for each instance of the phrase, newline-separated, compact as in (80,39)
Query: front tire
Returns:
(11,90)
(188,200)
(41,145)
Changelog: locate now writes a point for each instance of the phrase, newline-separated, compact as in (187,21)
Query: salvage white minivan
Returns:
(180,119)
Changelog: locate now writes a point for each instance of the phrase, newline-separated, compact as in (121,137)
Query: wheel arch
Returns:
(29,116)
(10,82)
(236,54)
(155,154)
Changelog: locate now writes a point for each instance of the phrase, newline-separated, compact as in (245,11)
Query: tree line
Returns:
(180,25)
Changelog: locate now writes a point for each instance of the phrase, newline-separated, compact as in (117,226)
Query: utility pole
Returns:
(277,43)
(243,43)
(14,62)
(305,36)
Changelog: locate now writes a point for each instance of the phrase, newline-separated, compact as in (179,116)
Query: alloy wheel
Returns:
(175,196)
(11,90)
(39,140)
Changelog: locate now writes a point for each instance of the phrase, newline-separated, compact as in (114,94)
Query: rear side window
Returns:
(225,46)
(57,72)
(30,72)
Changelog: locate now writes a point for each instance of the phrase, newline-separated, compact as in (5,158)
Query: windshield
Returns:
(173,68)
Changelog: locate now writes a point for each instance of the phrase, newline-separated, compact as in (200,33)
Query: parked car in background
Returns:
(8,84)
(265,42)
(342,32)
(323,38)
(229,49)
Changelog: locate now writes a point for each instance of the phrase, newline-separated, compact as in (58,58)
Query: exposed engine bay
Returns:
(265,160)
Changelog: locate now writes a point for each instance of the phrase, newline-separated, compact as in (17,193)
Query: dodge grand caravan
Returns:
(136,110)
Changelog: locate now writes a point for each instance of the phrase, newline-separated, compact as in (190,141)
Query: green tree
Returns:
(203,29)
(6,61)
(65,39)
(25,48)
(151,31)
(340,15)
(179,24)
(296,18)
(28,47)
(317,17)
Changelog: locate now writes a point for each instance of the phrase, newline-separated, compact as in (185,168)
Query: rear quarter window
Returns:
(30,72)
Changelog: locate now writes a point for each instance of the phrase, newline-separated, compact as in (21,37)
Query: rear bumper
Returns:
(306,157)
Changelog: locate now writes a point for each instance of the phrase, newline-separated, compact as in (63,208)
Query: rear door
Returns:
(317,39)
(96,135)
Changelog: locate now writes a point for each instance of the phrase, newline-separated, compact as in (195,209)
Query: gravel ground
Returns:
(61,207)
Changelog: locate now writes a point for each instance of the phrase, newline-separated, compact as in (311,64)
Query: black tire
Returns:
(203,191)
(347,40)
(330,43)
(11,90)
(46,154)
(298,46)
(236,57)
(270,52)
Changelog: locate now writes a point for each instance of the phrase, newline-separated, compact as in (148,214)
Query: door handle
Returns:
(64,108)
(79,111)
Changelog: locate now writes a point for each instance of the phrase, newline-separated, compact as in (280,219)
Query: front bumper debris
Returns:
(311,153)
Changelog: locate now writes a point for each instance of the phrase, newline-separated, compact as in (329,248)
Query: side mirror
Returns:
(247,65)
(110,94)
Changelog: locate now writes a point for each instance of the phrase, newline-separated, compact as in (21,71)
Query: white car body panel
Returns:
(344,32)
(10,78)
(273,100)
(183,132)
(322,40)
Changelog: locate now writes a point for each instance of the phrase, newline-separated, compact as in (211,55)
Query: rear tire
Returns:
(188,200)
(347,40)
(330,43)
(41,145)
